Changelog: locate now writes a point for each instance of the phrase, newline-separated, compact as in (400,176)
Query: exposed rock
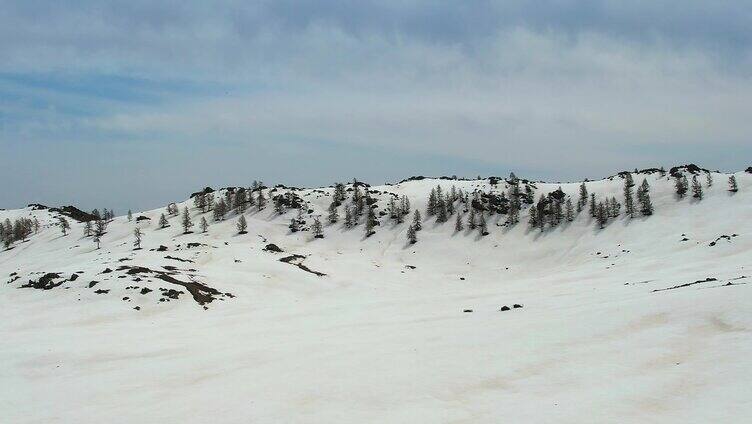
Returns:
(45,282)
(206,190)
(271,247)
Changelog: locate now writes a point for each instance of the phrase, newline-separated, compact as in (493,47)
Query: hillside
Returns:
(644,320)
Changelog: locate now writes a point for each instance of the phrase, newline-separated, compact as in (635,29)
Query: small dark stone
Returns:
(161,248)
(101,291)
(504,308)
(271,247)
(516,305)
(467,310)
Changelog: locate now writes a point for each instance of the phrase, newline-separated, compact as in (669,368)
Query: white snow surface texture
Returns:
(383,337)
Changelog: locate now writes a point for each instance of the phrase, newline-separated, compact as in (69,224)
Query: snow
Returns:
(376,341)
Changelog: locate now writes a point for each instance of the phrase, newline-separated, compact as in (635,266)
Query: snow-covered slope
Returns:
(384,336)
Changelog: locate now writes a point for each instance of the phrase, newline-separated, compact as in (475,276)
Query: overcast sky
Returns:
(133,104)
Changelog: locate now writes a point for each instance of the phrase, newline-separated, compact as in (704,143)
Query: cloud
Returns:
(563,89)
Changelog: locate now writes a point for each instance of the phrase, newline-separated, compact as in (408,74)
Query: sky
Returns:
(130,105)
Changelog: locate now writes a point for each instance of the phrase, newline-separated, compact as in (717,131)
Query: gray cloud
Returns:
(561,89)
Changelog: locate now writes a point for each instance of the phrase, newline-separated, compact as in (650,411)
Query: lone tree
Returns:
(88,229)
(471,219)
(163,221)
(242,225)
(130,215)
(709,179)
(482,226)
(643,196)
(628,198)
(370,222)
(186,221)
(582,201)
(64,225)
(696,188)
(137,235)
(458,224)
(732,184)
(412,234)
(417,221)
(333,214)
(204,225)
(316,228)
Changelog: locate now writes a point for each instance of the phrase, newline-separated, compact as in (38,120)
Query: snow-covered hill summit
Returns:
(295,306)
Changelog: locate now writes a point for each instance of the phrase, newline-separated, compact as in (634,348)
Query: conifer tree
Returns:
(482,225)
(602,214)
(733,187)
(333,213)
(458,223)
(208,202)
(220,209)
(643,196)
(64,225)
(557,211)
(316,228)
(360,205)
(405,204)
(583,198)
(541,206)
(87,228)
(532,220)
(412,235)
(163,221)
(696,188)
(628,198)
(279,207)
(569,210)
(440,208)
(204,225)
(348,217)
(615,207)
(130,215)
(417,221)
(449,202)
(260,200)
(137,238)
(242,225)
(681,186)
(240,200)
(431,207)
(709,179)
(370,222)
(471,224)
(186,221)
